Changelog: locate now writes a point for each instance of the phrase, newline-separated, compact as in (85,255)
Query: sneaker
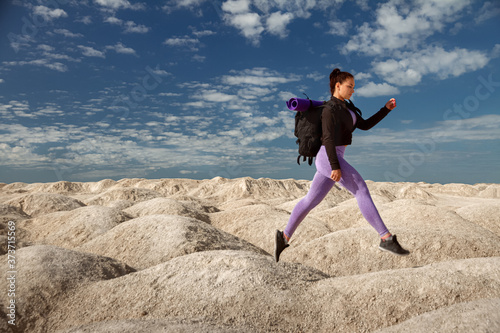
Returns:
(391,244)
(279,245)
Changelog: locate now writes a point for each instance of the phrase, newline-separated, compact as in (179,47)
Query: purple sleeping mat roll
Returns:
(302,104)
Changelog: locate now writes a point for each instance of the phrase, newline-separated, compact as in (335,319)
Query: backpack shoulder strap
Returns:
(353,108)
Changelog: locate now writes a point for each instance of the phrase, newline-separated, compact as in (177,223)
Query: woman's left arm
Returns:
(377,117)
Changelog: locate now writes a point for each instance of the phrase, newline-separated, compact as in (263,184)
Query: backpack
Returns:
(307,127)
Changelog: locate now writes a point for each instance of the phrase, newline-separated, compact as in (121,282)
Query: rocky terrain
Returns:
(181,255)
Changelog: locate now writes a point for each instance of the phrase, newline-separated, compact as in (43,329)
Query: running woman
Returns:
(338,123)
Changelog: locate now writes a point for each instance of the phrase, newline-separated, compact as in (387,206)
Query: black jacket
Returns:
(337,126)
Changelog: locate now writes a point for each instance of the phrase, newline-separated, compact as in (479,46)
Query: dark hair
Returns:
(338,76)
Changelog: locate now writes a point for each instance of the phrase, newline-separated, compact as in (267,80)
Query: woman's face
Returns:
(345,89)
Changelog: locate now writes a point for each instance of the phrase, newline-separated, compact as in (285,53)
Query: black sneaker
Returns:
(391,244)
(279,245)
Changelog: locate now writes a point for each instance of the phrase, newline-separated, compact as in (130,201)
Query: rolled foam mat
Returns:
(302,104)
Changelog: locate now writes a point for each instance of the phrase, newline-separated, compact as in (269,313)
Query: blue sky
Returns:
(196,89)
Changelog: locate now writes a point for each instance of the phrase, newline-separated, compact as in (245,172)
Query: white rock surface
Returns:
(182,255)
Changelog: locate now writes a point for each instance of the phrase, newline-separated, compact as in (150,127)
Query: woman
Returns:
(338,123)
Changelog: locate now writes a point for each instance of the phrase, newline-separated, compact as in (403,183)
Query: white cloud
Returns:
(203,33)
(129,26)
(276,23)
(254,92)
(258,76)
(187,172)
(161,72)
(236,6)
(178,4)
(253,18)
(60,56)
(45,47)
(119,4)
(2,80)
(339,28)
(20,156)
(199,58)
(495,53)
(49,14)
(299,8)
(49,110)
(249,24)
(362,76)
(85,20)
(488,11)
(113,20)
(67,33)
(399,25)
(22,109)
(215,96)
(91,52)
(372,89)
(170,94)
(17,109)
(316,76)
(185,42)
(285,95)
(434,60)
(120,48)
(57,66)
(132,27)
(472,129)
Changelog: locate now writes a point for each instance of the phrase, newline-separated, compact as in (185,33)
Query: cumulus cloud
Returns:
(91,52)
(119,4)
(489,10)
(49,14)
(161,72)
(182,4)
(339,28)
(45,47)
(215,96)
(480,128)
(183,42)
(67,33)
(132,27)
(113,20)
(120,48)
(236,6)
(85,20)
(21,109)
(203,33)
(254,18)
(258,76)
(372,89)
(400,25)
(57,66)
(434,60)
(249,24)
(276,23)
(128,26)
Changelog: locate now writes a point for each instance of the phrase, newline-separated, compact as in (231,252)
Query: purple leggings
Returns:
(322,184)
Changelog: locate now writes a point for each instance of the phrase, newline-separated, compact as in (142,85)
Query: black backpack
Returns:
(308,129)
(308,132)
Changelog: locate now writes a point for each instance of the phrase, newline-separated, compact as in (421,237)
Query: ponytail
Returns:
(338,76)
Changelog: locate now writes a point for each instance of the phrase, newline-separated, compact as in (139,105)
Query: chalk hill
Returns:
(183,255)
